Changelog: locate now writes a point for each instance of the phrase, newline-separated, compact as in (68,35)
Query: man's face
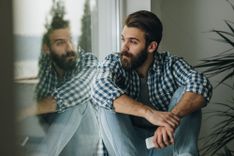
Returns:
(62,49)
(133,50)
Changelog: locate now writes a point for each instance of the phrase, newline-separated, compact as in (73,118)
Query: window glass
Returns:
(30,18)
(94,27)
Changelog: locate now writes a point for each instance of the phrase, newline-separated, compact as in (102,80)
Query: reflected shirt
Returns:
(167,73)
(74,88)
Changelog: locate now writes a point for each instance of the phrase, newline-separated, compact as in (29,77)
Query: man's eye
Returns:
(133,42)
(60,42)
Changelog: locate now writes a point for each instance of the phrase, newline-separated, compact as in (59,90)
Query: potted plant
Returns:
(223,65)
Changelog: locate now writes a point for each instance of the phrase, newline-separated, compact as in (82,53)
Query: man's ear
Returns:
(45,49)
(152,46)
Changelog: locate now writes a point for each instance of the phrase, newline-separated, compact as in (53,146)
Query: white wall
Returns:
(134,5)
(186,23)
(186,33)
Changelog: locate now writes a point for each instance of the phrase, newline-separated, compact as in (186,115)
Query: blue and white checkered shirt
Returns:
(166,74)
(74,88)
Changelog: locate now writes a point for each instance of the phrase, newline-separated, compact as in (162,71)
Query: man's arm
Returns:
(198,89)
(127,105)
(77,90)
(197,95)
(106,93)
(47,105)
(189,103)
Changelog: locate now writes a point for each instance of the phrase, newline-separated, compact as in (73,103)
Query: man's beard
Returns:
(63,62)
(133,62)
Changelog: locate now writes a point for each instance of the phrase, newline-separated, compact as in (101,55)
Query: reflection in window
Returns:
(30,18)
(95,28)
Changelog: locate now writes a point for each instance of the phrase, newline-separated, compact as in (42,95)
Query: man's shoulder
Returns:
(167,59)
(113,57)
(87,59)
(167,56)
(111,60)
(87,56)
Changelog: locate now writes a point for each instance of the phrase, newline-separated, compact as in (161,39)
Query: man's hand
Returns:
(166,119)
(163,137)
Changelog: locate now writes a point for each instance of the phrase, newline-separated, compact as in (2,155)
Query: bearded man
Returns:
(142,93)
(63,96)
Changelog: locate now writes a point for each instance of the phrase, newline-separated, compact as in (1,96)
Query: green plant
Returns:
(223,131)
(222,65)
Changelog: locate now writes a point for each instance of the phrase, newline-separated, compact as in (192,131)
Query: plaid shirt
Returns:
(74,88)
(166,74)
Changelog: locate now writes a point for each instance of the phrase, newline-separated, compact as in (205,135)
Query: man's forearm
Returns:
(47,105)
(189,103)
(127,105)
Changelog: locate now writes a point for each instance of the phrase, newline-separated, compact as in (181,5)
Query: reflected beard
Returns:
(63,61)
(130,62)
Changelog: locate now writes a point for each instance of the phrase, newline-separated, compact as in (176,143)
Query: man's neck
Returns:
(143,69)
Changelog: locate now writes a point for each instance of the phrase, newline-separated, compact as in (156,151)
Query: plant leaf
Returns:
(224,37)
(230,27)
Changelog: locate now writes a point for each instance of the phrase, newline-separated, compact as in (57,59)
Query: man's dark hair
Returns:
(57,23)
(148,22)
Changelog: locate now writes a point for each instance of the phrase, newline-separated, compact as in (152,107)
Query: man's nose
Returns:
(70,46)
(125,46)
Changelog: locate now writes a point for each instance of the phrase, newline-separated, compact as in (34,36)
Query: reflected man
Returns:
(142,93)
(63,95)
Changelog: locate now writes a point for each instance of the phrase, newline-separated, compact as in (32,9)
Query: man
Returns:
(142,93)
(63,91)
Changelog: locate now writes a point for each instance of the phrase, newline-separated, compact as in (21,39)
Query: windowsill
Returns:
(29,80)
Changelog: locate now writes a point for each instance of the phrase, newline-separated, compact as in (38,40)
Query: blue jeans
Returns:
(73,132)
(121,137)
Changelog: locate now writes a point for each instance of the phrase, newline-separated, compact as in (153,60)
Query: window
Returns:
(30,18)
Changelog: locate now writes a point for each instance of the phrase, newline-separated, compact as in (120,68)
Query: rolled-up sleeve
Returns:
(104,89)
(193,80)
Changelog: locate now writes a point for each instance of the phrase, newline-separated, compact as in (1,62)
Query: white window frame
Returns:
(105,28)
